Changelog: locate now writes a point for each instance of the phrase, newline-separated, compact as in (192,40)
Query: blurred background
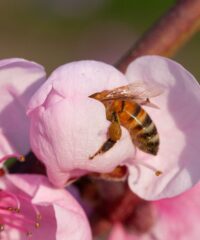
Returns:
(53,32)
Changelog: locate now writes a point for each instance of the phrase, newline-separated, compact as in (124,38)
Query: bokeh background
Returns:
(53,32)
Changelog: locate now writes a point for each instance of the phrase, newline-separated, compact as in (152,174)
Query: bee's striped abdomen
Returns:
(140,126)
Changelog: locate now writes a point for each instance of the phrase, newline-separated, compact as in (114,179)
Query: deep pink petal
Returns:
(19,79)
(62,216)
(76,225)
(178,124)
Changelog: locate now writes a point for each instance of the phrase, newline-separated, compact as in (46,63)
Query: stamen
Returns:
(5,194)
(21,158)
(13,217)
(37,225)
(138,163)
(10,209)
(37,212)
(157,172)
(17,221)
(19,226)
(38,216)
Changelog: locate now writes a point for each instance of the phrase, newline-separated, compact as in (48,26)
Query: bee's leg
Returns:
(149,104)
(114,134)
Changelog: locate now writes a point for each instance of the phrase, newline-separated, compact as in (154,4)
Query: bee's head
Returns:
(99,95)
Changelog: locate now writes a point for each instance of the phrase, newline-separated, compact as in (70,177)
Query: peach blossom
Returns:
(19,79)
(31,207)
(67,126)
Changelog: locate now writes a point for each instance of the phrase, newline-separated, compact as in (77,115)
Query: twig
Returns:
(168,34)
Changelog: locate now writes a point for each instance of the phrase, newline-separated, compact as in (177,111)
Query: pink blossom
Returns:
(67,126)
(175,218)
(31,207)
(19,79)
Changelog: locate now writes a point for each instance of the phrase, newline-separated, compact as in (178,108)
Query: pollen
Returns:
(37,225)
(158,173)
(13,214)
(21,158)
(17,210)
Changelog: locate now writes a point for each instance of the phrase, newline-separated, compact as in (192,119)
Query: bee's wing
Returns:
(142,90)
(137,91)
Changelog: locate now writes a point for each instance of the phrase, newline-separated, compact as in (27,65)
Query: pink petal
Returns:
(81,78)
(19,79)
(59,209)
(178,217)
(69,126)
(65,207)
(178,124)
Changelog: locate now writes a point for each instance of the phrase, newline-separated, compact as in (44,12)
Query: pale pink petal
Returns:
(69,126)
(62,216)
(19,79)
(178,124)
(178,218)
(76,79)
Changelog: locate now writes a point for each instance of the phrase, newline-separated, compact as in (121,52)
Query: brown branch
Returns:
(168,34)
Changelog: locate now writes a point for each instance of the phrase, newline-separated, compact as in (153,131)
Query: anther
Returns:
(11,215)
(144,164)
(158,173)
(13,209)
(17,210)
(37,225)
(38,215)
(21,158)
(13,155)
(10,209)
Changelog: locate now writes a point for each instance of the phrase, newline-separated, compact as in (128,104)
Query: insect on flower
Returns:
(124,108)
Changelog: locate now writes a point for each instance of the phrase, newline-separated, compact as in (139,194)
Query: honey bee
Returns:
(123,107)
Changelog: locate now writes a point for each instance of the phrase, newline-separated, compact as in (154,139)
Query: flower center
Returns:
(12,207)
(12,213)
